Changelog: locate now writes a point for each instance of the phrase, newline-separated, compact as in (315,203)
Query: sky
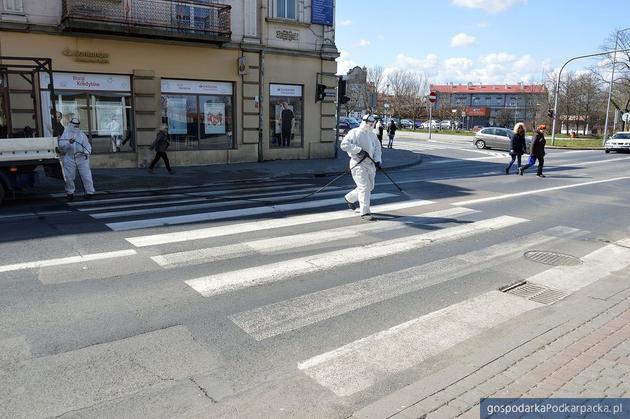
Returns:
(479,41)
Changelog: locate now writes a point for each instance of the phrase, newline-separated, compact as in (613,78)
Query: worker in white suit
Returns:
(364,150)
(77,149)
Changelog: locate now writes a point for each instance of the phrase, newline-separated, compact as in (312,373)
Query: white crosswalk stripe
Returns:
(248,227)
(235,280)
(285,316)
(358,365)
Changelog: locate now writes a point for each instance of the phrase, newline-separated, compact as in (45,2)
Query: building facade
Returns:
(491,105)
(218,74)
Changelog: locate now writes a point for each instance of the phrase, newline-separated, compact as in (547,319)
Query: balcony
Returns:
(194,21)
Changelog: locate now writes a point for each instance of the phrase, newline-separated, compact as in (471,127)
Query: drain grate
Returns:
(552,258)
(536,293)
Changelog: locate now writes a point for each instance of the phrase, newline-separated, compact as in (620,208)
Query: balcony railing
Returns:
(191,20)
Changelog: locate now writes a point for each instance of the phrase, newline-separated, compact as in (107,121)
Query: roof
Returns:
(489,88)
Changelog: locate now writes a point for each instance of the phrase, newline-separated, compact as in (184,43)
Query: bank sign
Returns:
(87,82)
(322,12)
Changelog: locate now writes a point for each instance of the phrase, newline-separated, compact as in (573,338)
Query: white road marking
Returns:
(294,241)
(537,191)
(589,163)
(247,227)
(595,265)
(67,260)
(222,215)
(191,207)
(360,364)
(244,278)
(285,316)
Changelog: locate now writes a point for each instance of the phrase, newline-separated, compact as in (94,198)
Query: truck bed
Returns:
(17,151)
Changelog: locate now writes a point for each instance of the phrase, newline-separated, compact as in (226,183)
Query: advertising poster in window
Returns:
(214,118)
(176,114)
(109,118)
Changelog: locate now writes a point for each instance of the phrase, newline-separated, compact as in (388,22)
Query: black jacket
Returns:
(161,142)
(538,145)
(517,145)
(391,128)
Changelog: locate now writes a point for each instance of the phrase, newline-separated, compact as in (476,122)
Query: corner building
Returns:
(219,74)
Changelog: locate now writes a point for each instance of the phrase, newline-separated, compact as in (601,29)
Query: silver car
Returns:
(496,138)
(620,141)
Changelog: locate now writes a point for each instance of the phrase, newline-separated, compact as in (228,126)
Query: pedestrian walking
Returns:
(364,150)
(379,131)
(391,132)
(517,146)
(160,145)
(537,152)
(76,150)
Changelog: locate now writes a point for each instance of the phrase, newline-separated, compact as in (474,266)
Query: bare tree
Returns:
(407,89)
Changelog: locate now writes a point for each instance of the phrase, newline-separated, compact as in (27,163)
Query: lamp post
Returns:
(555,104)
(612,80)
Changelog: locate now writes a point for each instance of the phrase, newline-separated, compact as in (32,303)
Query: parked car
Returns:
(353,123)
(433,123)
(497,138)
(620,141)
(406,123)
(446,124)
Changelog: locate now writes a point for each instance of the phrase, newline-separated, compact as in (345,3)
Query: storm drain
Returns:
(552,258)
(534,292)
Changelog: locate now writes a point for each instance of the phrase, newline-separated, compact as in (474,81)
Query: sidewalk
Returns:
(117,179)
(578,347)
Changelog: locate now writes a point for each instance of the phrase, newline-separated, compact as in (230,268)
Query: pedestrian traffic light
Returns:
(341,92)
(321,92)
(550,113)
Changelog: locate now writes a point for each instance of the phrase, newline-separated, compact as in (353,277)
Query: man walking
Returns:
(391,132)
(364,150)
(160,145)
(77,149)
(538,152)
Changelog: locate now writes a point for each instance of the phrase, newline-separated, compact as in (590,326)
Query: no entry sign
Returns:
(432,97)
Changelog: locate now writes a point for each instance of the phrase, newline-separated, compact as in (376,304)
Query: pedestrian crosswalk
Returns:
(304,247)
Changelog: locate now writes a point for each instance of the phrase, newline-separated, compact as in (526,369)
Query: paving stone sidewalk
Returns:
(586,356)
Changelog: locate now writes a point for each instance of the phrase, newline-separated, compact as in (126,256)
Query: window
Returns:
(285,9)
(199,114)
(285,115)
(12,6)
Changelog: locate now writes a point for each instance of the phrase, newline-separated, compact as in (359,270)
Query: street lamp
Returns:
(612,80)
(554,114)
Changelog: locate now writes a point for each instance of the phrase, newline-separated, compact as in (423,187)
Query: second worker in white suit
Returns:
(364,150)
(77,149)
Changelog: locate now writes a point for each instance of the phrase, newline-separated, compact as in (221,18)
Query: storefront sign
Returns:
(87,82)
(196,87)
(87,56)
(285,90)
(322,12)
(288,35)
(214,114)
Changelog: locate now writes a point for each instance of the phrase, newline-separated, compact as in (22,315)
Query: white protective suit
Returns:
(357,140)
(116,135)
(76,156)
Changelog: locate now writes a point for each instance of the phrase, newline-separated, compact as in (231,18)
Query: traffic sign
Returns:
(432,97)
(625,117)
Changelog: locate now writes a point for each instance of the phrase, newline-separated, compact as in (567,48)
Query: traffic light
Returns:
(550,113)
(321,92)
(341,92)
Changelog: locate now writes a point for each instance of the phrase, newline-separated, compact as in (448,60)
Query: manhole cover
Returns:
(552,258)
(535,292)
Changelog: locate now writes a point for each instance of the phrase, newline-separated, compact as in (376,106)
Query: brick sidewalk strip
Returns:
(590,360)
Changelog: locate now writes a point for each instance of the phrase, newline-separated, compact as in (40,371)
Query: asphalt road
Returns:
(183,305)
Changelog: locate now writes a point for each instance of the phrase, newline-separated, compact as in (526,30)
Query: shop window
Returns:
(12,6)
(286,115)
(198,120)
(285,9)
(181,115)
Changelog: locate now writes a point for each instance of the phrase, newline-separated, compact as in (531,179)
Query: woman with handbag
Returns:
(517,146)
(538,152)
